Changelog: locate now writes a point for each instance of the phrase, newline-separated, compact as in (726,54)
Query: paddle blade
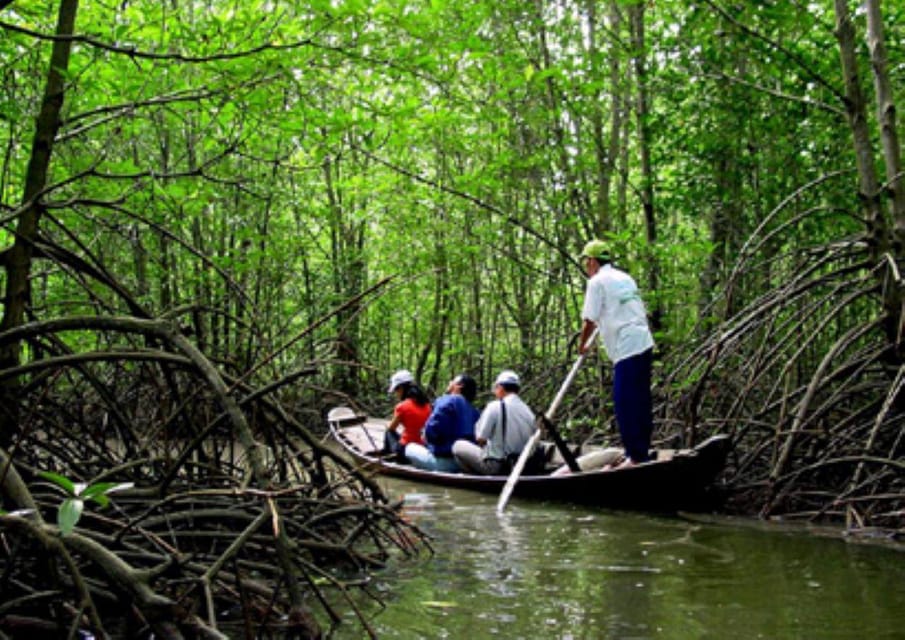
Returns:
(517,471)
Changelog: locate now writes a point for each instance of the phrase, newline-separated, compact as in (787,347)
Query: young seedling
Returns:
(71,508)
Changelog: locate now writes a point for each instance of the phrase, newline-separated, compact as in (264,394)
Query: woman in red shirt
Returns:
(411,412)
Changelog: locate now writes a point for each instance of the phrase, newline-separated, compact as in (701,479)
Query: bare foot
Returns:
(619,464)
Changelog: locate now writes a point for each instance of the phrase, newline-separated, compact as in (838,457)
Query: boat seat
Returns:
(344,417)
(365,438)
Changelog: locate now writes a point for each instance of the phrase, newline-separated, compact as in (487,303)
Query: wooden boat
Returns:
(675,479)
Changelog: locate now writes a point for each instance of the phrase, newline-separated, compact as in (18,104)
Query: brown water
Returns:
(553,571)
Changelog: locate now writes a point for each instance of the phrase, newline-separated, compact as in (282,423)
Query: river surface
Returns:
(552,571)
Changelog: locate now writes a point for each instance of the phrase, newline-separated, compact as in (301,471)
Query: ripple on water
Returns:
(552,571)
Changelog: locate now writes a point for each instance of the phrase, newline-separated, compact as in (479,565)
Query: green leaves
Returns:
(68,514)
(70,510)
(273,141)
(61,481)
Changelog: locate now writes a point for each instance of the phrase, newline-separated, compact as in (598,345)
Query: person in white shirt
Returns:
(613,306)
(503,430)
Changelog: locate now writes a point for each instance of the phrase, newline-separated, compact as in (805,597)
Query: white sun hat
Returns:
(400,377)
(507,376)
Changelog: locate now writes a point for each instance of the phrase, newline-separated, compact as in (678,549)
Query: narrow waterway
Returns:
(553,571)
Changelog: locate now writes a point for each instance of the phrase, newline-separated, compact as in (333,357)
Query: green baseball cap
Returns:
(595,249)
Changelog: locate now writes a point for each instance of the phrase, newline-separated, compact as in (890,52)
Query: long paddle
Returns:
(535,437)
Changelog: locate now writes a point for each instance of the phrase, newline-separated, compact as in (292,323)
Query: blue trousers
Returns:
(424,458)
(633,405)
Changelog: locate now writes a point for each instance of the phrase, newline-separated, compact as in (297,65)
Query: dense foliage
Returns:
(350,187)
(271,160)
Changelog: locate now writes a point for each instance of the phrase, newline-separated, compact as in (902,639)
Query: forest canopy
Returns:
(218,218)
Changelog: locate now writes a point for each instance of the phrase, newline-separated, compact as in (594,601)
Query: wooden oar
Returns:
(535,437)
(550,429)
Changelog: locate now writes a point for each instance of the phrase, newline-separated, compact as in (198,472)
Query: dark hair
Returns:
(510,387)
(413,391)
(469,386)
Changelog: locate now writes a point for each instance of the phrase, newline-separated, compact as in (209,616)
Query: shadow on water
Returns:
(556,571)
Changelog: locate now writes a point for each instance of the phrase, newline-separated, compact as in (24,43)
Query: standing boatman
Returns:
(612,304)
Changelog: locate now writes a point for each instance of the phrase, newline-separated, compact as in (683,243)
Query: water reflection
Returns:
(554,571)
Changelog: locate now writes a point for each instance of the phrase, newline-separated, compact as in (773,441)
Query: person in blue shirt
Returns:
(453,418)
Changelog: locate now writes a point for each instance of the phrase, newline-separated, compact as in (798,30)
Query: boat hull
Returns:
(680,479)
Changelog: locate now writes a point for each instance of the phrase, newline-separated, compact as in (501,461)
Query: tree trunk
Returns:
(869,190)
(347,244)
(642,111)
(723,231)
(19,258)
(886,116)
(856,110)
(554,96)
(606,149)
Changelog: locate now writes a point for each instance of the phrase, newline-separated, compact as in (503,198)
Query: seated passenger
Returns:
(452,418)
(503,430)
(411,412)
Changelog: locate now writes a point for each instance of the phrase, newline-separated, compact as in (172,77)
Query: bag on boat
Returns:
(536,464)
